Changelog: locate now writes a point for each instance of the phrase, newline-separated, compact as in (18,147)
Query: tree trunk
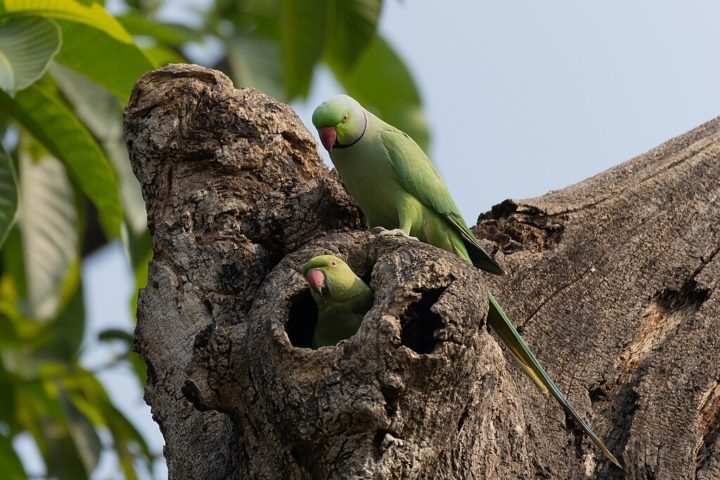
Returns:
(611,282)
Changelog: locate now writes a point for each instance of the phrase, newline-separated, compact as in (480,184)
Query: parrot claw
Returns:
(395,232)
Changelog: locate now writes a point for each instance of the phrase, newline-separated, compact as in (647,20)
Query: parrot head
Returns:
(328,276)
(340,122)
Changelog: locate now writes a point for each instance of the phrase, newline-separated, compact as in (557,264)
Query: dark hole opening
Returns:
(304,456)
(300,326)
(192,394)
(419,323)
(689,297)
(461,421)
(378,439)
(390,395)
(597,394)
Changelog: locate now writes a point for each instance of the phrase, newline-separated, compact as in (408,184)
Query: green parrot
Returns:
(341,296)
(393,181)
(397,186)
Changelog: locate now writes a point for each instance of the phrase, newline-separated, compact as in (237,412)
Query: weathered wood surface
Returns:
(612,282)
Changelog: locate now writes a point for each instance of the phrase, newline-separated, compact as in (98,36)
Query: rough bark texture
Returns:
(612,282)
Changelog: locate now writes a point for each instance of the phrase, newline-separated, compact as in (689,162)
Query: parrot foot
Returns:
(395,232)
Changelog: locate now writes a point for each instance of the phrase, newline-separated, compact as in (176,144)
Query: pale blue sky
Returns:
(522,97)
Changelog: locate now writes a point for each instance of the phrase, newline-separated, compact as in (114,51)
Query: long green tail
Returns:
(504,328)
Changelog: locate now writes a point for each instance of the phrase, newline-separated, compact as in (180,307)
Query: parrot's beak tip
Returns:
(328,137)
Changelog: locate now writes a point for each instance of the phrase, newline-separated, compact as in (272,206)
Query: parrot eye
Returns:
(345,118)
(333,263)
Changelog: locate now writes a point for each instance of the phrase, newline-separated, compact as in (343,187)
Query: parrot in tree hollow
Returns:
(341,296)
(397,186)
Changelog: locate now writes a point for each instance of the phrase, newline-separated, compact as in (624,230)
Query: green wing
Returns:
(416,172)
(418,176)
(504,328)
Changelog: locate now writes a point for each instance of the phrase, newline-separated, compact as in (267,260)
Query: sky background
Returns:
(522,97)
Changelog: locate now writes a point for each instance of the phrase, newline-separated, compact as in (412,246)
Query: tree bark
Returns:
(611,282)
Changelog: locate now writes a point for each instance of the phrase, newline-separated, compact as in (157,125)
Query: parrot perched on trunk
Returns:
(393,181)
(397,186)
(341,296)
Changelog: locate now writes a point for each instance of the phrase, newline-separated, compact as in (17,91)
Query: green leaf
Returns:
(8,195)
(64,409)
(8,398)
(10,464)
(126,338)
(126,439)
(259,17)
(104,60)
(351,29)
(42,414)
(45,116)
(112,334)
(62,336)
(302,37)
(84,436)
(256,62)
(90,397)
(12,284)
(93,15)
(48,221)
(100,111)
(27,45)
(130,190)
(103,114)
(164,33)
(140,254)
(61,455)
(160,55)
(383,84)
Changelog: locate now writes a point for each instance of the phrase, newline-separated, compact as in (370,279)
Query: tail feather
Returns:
(478,256)
(482,260)
(504,328)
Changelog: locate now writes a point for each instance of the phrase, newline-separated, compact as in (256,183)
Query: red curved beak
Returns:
(316,278)
(328,136)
